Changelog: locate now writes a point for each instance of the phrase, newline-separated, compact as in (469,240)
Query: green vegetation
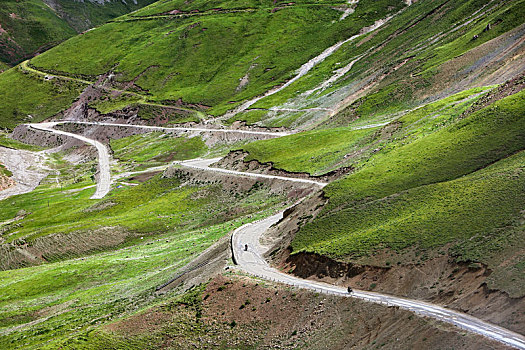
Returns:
(458,149)
(158,147)
(28,26)
(3,67)
(168,207)
(80,294)
(83,293)
(32,26)
(201,59)
(501,20)
(88,14)
(416,50)
(30,98)
(4,172)
(314,152)
(320,151)
(429,216)
(434,171)
(459,182)
(146,110)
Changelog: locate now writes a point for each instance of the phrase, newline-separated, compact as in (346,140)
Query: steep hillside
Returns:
(212,58)
(376,144)
(29,27)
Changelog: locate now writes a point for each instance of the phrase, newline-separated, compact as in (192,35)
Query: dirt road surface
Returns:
(252,261)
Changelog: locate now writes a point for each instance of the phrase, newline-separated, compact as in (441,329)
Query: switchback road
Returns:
(161,128)
(252,261)
(204,164)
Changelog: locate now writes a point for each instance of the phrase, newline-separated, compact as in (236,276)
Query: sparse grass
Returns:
(156,206)
(406,51)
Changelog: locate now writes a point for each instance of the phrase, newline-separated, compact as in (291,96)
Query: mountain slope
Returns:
(29,27)
(412,112)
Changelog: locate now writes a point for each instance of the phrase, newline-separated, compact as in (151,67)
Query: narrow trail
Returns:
(204,164)
(143,99)
(252,262)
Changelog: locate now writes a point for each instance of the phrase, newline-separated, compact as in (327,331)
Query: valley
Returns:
(258,174)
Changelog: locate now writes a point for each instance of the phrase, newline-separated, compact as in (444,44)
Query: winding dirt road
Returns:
(162,128)
(104,179)
(252,261)
(104,175)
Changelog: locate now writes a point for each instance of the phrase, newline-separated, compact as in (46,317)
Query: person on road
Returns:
(246,247)
(349,289)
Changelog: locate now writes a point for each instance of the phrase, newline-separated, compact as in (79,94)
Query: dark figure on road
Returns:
(349,290)
(246,247)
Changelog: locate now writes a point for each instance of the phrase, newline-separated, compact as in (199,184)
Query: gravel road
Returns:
(252,261)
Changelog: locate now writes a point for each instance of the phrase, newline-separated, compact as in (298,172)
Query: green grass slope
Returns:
(140,237)
(29,26)
(32,26)
(157,147)
(460,184)
(25,97)
(202,58)
(429,51)
(314,152)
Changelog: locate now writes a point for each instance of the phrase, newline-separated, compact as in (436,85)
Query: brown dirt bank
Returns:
(239,312)
(459,286)
(235,160)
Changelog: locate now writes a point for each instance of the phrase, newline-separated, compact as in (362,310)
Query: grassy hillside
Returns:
(432,142)
(424,53)
(319,151)
(81,293)
(158,147)
(202,58)
(32,26)
(130,242)
(313,152)
(462,182)
(34,97)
